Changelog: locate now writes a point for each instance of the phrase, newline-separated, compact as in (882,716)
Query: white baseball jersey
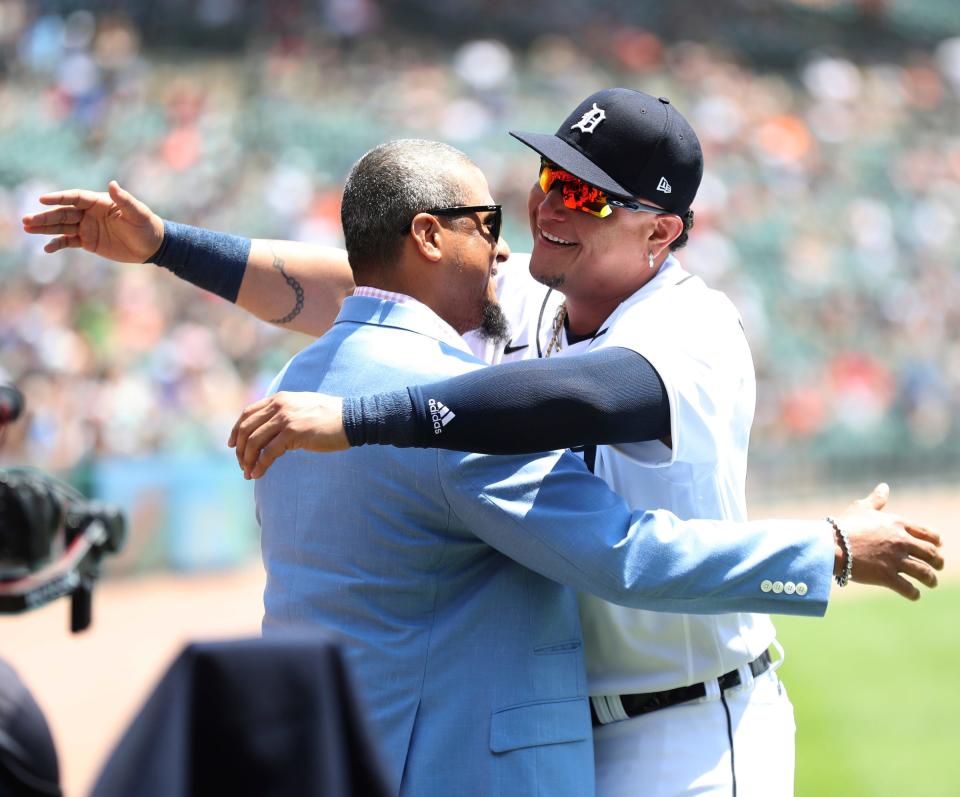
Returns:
(693,337)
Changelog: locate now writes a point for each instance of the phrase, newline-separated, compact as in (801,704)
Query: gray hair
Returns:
(386,188)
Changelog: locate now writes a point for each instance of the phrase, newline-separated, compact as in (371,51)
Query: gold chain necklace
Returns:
(554,343)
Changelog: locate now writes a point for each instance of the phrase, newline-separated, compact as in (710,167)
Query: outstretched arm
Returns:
(549,517)
(298,286)
(603,398)
(295,285)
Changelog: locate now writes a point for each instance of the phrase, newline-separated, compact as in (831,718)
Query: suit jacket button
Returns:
(766,585)
(789,587)
(801,589)
(777,587)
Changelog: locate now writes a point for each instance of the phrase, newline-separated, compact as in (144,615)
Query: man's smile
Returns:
(555,239)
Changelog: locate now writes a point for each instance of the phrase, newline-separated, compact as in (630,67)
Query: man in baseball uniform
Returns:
(681,704)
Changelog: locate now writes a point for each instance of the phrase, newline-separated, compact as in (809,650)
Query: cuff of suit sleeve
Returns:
(803,587)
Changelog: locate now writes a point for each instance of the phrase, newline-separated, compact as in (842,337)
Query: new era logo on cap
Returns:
(440,415)
(624,142)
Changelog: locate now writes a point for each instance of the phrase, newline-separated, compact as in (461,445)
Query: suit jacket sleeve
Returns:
(551,515)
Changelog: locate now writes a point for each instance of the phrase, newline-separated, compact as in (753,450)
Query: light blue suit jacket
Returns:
(449,575)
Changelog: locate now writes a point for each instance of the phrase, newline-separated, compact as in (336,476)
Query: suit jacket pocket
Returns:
(536,724)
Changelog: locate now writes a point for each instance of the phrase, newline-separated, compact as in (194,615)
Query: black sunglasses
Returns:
(491,223)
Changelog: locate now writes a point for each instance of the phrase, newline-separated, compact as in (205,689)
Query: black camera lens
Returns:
(30,515)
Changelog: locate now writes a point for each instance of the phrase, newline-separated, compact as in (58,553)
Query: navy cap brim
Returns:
(572,160)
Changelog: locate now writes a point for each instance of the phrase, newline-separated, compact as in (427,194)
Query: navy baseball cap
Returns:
(630,145)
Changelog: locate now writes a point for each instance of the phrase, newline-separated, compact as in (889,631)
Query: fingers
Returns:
(922,532)
(264,444)
(133,209)
(268,456)
(249,410)
(921,571)
(925,552)
(878,498)
(901,586)
(62,242)
(78,198)
(40,222)
(232,440)
(270,429)
(251,419)
(892,549)
(285,422)
(75,202)
(55,229)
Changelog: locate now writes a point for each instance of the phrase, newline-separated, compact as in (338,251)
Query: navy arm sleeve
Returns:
(214,261)
(611,396)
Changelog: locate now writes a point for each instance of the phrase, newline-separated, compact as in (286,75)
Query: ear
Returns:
(667,229)
(427,236)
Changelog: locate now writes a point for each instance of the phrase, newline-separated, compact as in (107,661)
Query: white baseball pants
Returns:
(685,749)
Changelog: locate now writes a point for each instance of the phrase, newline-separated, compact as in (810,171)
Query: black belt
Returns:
(635,705)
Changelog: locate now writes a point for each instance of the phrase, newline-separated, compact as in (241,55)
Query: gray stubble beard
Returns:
(553,282)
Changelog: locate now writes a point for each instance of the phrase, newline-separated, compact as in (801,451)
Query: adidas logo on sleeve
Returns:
(440,415)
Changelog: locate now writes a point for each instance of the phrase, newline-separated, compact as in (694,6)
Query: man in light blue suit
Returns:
(451,576)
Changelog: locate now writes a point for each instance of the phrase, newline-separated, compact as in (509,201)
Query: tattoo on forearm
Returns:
(278,264)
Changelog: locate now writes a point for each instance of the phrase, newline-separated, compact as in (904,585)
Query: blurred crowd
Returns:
(829,210)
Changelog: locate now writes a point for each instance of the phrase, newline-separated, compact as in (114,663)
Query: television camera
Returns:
(52,539)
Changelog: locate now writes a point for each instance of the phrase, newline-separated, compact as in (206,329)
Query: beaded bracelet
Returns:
(844,578)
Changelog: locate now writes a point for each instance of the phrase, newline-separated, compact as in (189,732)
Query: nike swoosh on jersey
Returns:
(508,349)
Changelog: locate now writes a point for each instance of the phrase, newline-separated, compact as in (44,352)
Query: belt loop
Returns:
(615,706)
(608,708)
(746,677)
(600,709)
(774,666)
(712,689)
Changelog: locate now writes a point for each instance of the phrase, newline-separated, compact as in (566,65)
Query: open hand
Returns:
(887,547)
(115,225)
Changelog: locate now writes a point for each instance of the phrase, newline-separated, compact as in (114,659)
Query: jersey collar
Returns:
(670,275)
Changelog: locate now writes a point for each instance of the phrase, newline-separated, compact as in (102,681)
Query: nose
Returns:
(503,250)
(551,206)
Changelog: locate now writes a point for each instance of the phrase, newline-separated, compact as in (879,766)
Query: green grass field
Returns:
(876,686)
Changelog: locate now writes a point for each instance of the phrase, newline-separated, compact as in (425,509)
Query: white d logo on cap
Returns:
(590,119)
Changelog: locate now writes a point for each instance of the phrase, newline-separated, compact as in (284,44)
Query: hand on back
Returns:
(286,422)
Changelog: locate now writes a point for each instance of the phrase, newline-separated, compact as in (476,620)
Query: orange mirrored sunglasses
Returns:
(580,195)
